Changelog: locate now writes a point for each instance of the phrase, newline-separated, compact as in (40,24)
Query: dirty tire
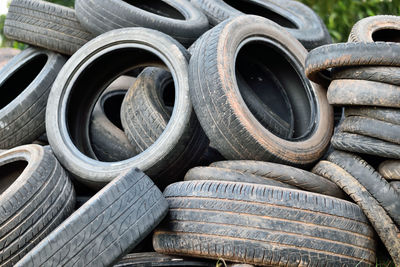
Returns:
(350,54)
(228,220)
(390,169)
(390,75)
(390,115)
(6,54)
(221,174)
(110,224)
(396,185)
(150,259)
(25,84)
(227,121)
(376,29)
(370,127)
(107,138)
(298,19)
(383,224)
(285,174)
(363,93)
(177,18)
(379,188)
(34,199)
(365,145)
(46,25)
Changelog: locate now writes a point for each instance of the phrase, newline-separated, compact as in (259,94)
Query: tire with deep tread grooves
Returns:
(25,84)
(108,225)
(263,225)
(365,174)
(46,25)
(390,169)
(223,114)
(390,115)
(383,224)
(35,197)
(390,75)
(381,28)
(286,174)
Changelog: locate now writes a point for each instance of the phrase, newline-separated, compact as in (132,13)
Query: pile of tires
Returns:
(208,100)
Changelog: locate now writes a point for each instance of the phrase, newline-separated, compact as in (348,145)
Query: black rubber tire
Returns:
(145,117)
(396,185)
(107,138)
(36,195)
(298,19)
(390,169)
(46,25)
(350,54)
(365,145)
(263,225)
(177,18)
(6,54)
(363,93)
(390,115)
(390,75)
(379,188)
(221,174)
(286,174)
(106,227)
(381,28)
(370,127)
(383,224)
(25,84)
(154,259)
(71,147)
(224,116)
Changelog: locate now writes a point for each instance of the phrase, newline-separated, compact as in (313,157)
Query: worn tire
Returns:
(107,138)
(350,54)
(365,145)
(177,18)
(263,225)
(46,25)
(379,188)
(390,169)
(390,115)
(396,185)
(223,114)
(35,197)
(390,75)
(370,127)
(376,29)
(383,224)
(111,223)
(221,174)
(285,174)
(6,54)
(298,19)
(25,84)
(363,93)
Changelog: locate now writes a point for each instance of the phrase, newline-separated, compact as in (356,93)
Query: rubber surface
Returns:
(376,28)
(46,25)
(263,225)
(6,54)
(106,227)
(390,169)
(35,197)
(390,115)
(390,75)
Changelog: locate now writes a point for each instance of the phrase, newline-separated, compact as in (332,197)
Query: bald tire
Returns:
(263,225)
(390,115)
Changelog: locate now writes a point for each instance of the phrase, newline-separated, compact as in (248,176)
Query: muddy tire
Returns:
(36,195)
(390,169)
(376,29)
(211,219)
(390,75)
(390,115)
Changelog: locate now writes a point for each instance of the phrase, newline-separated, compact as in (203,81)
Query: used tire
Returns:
(25,84)
(108,140)
(177,18)
(134,47)
(363,93)
(396,185)
(6,54)
(224,116)
(111,223)
(383,224)
(286,174)
(263,225)
(370,127)
(46,25)
(298,19)
(376,29)
(380,74)
(36,195)
(390,169)
(379,188)
(390,115)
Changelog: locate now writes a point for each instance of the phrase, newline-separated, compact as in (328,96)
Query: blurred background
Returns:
(338,15)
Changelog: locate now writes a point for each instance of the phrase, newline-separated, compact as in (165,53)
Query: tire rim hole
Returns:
(386,35)
(112,107)
(157,7)
(168,95)
(10,172)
